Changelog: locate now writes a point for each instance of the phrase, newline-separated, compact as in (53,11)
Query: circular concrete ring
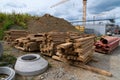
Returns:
(30,65)
(29,57)
(8,71)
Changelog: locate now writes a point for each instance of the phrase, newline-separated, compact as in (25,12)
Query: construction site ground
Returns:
(62,71)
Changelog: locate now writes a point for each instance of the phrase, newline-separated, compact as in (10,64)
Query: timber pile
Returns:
(76,46)
(80,49)
(44,42)
(77,51)
(11,35)
(31,42)
(76,35)
(72,36)
(48,47)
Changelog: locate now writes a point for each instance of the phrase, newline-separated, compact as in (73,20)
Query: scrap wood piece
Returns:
(83,50)
(78,44)
(47,54)
(65,45)
(85,38)
(93,69)
(58,58)
(86,60)
(17,47)
(87,54)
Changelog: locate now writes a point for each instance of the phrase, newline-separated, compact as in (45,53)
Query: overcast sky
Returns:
(70,10)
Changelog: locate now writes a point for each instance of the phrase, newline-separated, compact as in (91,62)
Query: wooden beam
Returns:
(93,69)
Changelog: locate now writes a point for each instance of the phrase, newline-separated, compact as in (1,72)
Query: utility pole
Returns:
(94,20)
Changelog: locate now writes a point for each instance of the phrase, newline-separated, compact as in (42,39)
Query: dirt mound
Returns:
(48,23)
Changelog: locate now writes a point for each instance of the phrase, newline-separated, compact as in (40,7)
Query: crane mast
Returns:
(84,12)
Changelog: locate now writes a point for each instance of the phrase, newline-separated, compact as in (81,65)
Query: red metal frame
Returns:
(107,44)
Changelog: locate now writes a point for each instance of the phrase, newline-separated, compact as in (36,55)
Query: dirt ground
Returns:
(61,71)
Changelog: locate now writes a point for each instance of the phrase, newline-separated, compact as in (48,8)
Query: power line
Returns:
(75,21)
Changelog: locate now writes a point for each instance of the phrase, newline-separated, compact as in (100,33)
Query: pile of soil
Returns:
(48,23)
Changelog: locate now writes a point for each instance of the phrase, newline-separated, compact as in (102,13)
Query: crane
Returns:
(84,9)
(63,1)
(84,12)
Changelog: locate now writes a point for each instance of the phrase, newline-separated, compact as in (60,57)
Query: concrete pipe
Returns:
(31,64)
(1,49)
(7,71)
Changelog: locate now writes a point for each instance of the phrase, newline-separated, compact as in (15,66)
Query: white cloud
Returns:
(14,5)
(68,10)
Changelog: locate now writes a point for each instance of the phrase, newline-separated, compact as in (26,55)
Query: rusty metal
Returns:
(107,44)
(108,39)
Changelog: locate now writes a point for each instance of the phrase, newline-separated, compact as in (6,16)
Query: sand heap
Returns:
(48,23)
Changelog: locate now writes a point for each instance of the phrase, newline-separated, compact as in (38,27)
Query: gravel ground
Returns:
(62,71)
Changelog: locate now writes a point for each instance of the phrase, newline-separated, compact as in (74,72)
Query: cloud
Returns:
(71,10)
(14,5)
(103,5)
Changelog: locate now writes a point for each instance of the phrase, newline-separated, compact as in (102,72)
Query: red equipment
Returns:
(107,44)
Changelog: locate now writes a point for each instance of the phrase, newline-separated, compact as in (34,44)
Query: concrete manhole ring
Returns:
(30,64)
(7,71)
(29,57)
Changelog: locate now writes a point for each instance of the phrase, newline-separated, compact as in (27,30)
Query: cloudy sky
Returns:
(70,10)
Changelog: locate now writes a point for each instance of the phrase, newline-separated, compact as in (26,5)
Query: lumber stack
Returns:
(107,44)
(84,47)
(31,42)
(62,45)
(48,47)
(75,35)
(72,36)
(64,51)
(80,49)
(11,35)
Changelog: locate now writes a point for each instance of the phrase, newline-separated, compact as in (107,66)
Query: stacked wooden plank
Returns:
(85,48)
(76,35)
(80,49)
(65,46)
(72,36)
(11,35)
(48,47)
(64,51)
(31,42)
